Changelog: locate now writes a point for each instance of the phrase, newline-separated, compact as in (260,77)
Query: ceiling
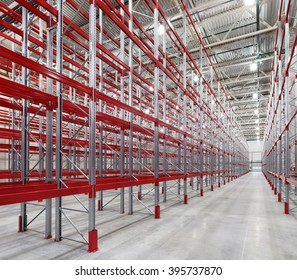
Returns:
(236,36)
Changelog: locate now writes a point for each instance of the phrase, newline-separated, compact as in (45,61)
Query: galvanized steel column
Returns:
(184,128)
(156,109)
(59,63)
(100,152)
(164,119)
(49,128)
(201,157)
(122,116)
(92,236)
(130,90)
(287,160)
(25,120)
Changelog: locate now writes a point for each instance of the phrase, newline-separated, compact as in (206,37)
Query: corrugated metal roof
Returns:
(216,21)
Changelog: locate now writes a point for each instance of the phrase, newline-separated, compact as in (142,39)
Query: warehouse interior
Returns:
(148,129)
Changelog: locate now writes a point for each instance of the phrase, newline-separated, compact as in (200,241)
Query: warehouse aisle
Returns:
(239,221)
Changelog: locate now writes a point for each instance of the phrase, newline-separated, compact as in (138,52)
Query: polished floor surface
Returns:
(242,220)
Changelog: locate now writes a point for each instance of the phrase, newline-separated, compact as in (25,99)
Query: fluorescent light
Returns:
(257,128)
(161,29)
(255,95)
(151,88)
(256,121)
(147,111)
(196,78)
(257,111)
(249,2)
(254,66)
(176,107)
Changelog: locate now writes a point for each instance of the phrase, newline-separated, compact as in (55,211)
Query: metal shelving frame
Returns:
(280,156)
(84,112)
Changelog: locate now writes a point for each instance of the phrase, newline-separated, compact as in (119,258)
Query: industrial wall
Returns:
(255,155)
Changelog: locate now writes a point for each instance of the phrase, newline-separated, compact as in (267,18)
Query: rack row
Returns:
(280,156)
(105,100)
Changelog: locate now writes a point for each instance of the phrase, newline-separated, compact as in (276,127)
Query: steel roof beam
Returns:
(248,93)
(246,80)
(234,63)
(238,38)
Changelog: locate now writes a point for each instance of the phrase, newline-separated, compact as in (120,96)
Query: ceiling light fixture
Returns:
(196,78)
(255,95)
(256,121)
(249,2)
(257,111)
(161,29)
(151,88)
(254,66)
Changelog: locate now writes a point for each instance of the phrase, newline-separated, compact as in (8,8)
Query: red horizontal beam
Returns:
(11,193)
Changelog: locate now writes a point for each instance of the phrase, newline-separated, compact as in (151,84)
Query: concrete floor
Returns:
(242,220)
